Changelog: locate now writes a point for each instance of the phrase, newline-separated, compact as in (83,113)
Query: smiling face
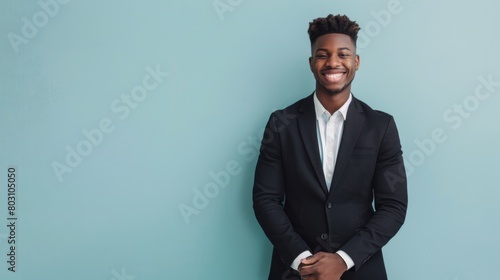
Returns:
(334,63)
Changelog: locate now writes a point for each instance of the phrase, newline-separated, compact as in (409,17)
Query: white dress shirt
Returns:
(329,132)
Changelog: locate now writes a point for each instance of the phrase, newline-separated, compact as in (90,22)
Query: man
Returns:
(330,186)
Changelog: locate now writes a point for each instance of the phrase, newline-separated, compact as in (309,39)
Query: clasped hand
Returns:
(322,266)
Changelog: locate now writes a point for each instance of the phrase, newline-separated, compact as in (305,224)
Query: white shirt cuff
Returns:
(348,261)
(296,262)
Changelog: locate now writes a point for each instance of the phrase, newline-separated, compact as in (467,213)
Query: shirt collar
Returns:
(320,109)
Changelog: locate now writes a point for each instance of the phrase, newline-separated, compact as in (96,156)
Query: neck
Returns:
(333,102)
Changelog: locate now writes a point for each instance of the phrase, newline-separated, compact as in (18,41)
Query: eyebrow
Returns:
(339,49)
(344,48)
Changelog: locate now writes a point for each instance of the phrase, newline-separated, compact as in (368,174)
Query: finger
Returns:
(309,277)
(309,260)
(307,270)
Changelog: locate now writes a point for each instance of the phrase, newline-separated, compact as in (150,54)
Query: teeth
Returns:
(334,77)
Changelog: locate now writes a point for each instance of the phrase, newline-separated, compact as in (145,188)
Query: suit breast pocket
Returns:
(363,152)
(361,163)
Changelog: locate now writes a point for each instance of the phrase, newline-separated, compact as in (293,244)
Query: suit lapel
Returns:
(308,132)
(352,128)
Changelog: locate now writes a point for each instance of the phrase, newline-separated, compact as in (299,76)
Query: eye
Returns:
(321,56)
(344,55)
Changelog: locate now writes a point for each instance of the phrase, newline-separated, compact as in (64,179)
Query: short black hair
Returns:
(333,24)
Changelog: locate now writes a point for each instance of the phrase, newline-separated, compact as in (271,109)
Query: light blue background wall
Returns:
(116,214)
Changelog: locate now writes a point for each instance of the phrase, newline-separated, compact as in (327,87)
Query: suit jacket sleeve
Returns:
(268,196)
(390,196)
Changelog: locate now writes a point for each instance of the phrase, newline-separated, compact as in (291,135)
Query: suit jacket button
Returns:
(324,236)
(329,205)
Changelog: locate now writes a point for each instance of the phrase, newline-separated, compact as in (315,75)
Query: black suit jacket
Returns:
(367,201)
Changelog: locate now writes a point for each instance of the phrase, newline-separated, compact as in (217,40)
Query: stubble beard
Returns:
(335,92)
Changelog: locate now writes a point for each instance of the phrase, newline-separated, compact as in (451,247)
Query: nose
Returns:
(333,61)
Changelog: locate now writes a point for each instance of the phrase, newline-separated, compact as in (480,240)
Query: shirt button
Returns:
(324,236)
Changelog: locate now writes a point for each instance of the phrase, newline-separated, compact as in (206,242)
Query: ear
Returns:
(311,63)
(356,60)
